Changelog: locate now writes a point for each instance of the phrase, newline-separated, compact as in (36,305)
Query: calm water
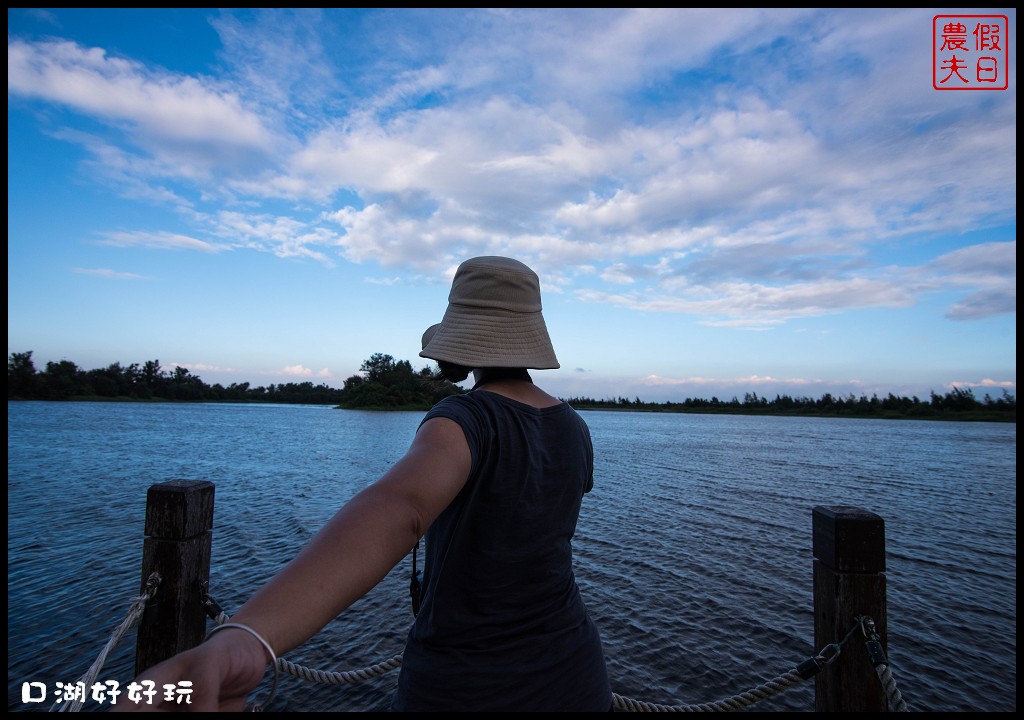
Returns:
(693,551)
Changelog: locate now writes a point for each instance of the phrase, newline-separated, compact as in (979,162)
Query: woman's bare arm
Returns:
(345,560)
(363,541)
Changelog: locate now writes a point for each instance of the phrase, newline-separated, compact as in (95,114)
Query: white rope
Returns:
(736,702)
(770,688)
(323,676)
(134,613)
(339,678)
(892,693)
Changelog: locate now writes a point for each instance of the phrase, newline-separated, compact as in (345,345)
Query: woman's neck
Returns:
(487,376)
(513,383)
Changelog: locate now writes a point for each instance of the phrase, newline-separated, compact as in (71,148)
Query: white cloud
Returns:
(990,259)
(990,271)
(754,199)
(174,117)
(282,235)
(387,282)
(752,305)
(985,304)
(617,274)
(986,383)
(161,240)
(107,273)
(299,371)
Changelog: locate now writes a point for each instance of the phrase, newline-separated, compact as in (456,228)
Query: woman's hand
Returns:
(223,671)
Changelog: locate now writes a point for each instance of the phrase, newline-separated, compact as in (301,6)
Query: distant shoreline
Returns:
(969,416)
(975,415)
(389,384)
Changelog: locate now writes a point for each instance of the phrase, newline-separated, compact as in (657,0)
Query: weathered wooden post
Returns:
(849,582)
(179,523)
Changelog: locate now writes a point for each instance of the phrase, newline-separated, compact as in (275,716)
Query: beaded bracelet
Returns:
(257,707)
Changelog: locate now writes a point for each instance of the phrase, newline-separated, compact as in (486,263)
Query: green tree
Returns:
(61,381)
(185,386)
(389,383)
(378,367)
(21,376)
(152,377)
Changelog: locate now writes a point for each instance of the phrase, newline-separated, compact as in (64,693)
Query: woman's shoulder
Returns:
(489,403)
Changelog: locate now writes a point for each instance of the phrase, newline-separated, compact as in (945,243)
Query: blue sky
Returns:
(717,201)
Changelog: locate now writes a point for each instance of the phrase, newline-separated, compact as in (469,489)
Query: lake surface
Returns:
(693,552)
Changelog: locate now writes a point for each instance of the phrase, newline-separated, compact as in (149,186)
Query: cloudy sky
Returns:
(717,201)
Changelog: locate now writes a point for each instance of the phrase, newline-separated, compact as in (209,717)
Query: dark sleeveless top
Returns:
(502,625)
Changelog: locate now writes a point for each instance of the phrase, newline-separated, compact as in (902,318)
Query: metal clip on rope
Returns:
(876,654)
(213,609)
(813,665)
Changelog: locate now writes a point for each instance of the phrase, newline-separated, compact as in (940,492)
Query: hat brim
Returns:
(471,338)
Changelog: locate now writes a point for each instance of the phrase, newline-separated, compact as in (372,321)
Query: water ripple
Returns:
(693,552)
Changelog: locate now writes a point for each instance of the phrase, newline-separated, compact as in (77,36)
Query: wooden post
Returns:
(179,522)
(849,582)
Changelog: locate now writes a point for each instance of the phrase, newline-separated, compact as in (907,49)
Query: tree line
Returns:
(389,384)
(957,404)
(385,384)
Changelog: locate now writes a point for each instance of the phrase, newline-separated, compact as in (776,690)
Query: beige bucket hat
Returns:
(493,318)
